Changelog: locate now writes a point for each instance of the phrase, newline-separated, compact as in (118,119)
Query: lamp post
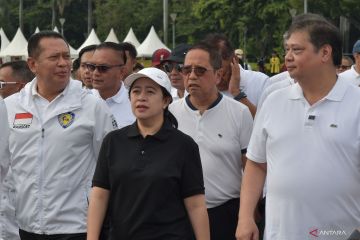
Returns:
(173,18)
(62,21)
(305,6)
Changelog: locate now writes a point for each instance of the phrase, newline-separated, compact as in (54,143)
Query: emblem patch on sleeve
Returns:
(66,119)
(22,120)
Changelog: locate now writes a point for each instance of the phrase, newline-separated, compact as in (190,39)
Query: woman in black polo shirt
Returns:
(149,176)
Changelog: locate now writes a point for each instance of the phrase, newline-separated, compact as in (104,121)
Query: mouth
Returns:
(62,74)
(141,108)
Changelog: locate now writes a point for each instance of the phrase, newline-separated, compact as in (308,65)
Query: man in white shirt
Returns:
(56,130)
(353,74)
(221,127)
(108,70)
(306,142)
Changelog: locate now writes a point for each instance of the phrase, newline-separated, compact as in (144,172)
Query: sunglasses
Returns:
(3,83)
(101,68)
(199,71)
(344,67)
(169,67)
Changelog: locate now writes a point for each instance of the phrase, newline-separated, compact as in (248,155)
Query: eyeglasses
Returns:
(199,71)
(168,67)
(3,83)
(345,66)
(101,68)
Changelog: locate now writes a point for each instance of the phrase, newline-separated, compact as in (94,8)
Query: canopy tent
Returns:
(112,37)
(92,39)
(151,43)
(4,40)
(37,30)
(56,29)
(131,38)
(17,47)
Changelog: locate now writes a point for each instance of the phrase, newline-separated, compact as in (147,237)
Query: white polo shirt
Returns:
(313,162)
(222,133)
(351,76)
(120,106)
(252,83)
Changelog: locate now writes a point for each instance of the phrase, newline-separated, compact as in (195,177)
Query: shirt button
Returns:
(142,152)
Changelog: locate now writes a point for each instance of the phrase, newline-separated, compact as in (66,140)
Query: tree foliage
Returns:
(258,24)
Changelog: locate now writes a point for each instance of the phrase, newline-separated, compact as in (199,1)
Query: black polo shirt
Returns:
(148,179)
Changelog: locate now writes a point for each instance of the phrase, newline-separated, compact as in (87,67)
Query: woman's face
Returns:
(147,100)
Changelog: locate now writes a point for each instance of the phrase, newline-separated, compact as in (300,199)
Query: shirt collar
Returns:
(192,107)
(119,97)
(34,91)
(337,93)
(354,71)
(161,135)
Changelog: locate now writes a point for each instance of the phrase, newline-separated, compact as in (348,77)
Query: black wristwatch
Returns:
(240,96)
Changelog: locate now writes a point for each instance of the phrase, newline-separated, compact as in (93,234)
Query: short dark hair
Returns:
(20,71)
(86,49)
(321,32)
(34,41)
(221,43)
(214,55)
(130,48)
(114,46)
(76,64)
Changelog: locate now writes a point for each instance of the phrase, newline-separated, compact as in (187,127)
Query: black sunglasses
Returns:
(168,67)
(199,71)
(101,68)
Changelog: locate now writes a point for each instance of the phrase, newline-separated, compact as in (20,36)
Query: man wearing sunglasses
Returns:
(56,130)
(353,74)
(172,66)
(85,55)
(13,77)
(221,127)
(108,70)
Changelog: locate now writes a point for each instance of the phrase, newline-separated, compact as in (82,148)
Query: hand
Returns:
(234,83)
(247,230)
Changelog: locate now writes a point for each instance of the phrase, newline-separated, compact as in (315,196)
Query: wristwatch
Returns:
(240,96)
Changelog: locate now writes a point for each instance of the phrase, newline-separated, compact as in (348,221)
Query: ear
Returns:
(167,101)
(218,75)
(326,53)
(32,64)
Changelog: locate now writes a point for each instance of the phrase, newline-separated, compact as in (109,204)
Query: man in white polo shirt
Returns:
(221,127)
(107,65)
(306,141)
(353,74)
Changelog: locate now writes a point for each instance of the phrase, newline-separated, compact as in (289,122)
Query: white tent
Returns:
(131,38)
(151,43)
(17,47)
(56,29)
(92,39)
(112,37)
(4,40)
(37,30)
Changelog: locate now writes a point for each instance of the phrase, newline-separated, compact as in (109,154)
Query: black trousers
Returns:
(33,236)
(223,220)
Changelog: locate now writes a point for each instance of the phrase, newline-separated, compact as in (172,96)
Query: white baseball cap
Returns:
(155,74)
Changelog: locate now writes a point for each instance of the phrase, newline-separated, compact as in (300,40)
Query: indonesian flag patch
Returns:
(22,120)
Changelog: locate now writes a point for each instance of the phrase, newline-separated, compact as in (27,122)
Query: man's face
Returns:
(302,59)
(357,61)
(6,76)
(176,78)
(109,80)
(85,73)
(200,85)
(130,62)
(225,74)
(53,64)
